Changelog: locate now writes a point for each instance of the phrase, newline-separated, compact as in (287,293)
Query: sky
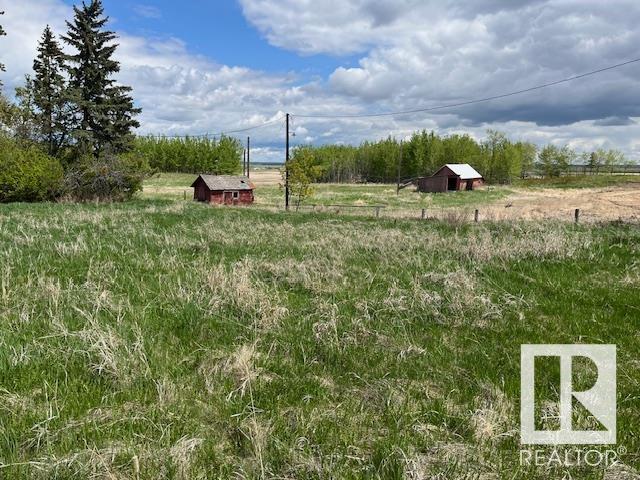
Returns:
(199,66)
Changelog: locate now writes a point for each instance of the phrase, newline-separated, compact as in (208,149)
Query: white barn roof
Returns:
(464,171)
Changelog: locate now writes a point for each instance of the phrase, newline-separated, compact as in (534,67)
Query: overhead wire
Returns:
(226,132)
(412,111)
(472,102)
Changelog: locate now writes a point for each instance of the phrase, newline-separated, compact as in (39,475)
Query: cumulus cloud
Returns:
(425,53)
(410,54)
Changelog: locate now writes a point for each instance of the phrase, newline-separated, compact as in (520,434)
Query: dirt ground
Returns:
(266,177)
(608,203)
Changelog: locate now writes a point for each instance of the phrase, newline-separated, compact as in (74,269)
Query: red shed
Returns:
(451,177)
(223,190)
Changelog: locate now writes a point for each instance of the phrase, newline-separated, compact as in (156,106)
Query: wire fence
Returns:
(485,213)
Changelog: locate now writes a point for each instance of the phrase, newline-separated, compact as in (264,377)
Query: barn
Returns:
(450,178)
(223,190)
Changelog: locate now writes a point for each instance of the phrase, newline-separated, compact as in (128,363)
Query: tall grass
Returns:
(192,155)
(162,339)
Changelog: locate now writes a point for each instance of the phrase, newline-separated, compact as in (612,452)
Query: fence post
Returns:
(424,213)
(476,216)
(185,194)
(377,212)
(577,215)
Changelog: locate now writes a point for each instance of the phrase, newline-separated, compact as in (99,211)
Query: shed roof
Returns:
(463,170)
(226,182)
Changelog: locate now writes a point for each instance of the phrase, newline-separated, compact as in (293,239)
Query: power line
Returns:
(407,112)
(226,132)
(480,100)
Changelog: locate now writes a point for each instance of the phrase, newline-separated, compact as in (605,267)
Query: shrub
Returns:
(27,174)
(108,178)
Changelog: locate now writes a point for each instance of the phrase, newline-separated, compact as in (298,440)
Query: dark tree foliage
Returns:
(105,110)
(53,115)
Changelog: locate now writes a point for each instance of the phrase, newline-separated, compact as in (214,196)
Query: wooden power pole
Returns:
(244,161)
(286,169)
(399,168)
(248,157)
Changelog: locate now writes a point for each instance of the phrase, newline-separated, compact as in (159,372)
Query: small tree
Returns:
(528,152)
(554,161)
(53,116)
(594,162)
(302,174)
(613,158)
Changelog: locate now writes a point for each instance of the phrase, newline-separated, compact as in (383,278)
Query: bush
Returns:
(27,174)
(109,178)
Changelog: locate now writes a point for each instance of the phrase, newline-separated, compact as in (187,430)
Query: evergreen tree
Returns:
(50,93)
(23,124)
(106,113)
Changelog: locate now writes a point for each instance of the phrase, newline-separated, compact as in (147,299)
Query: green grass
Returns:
(579,181)
(164,339)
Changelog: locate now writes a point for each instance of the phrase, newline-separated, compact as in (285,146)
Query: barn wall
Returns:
(219,198)
(246,197)
(433,184)
(200,191)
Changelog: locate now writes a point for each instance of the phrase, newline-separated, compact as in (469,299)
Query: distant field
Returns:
(269,193)
(170,339)
(580,181)
(600,198)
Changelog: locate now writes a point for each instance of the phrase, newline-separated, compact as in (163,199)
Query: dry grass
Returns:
(172,340)
(495,203)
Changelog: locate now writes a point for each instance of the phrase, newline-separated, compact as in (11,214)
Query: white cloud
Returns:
(147,11)
(412,54)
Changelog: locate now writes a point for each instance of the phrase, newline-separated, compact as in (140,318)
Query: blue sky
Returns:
(201,66)
(218,30)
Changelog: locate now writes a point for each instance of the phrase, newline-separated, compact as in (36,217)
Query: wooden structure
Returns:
(223,190)
(450,178)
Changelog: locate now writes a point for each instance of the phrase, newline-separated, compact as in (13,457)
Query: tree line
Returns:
(497,158)
(191,154)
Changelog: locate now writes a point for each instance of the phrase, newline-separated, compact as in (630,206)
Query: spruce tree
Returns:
(105,109)
(50,93)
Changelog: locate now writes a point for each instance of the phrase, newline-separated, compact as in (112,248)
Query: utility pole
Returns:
(244,161)
(286,170)
(399,167)
(248,157)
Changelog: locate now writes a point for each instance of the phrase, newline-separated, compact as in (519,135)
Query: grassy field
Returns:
(169,339)
(269,193)
(579,181)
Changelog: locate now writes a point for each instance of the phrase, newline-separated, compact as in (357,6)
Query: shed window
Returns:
(236,195)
